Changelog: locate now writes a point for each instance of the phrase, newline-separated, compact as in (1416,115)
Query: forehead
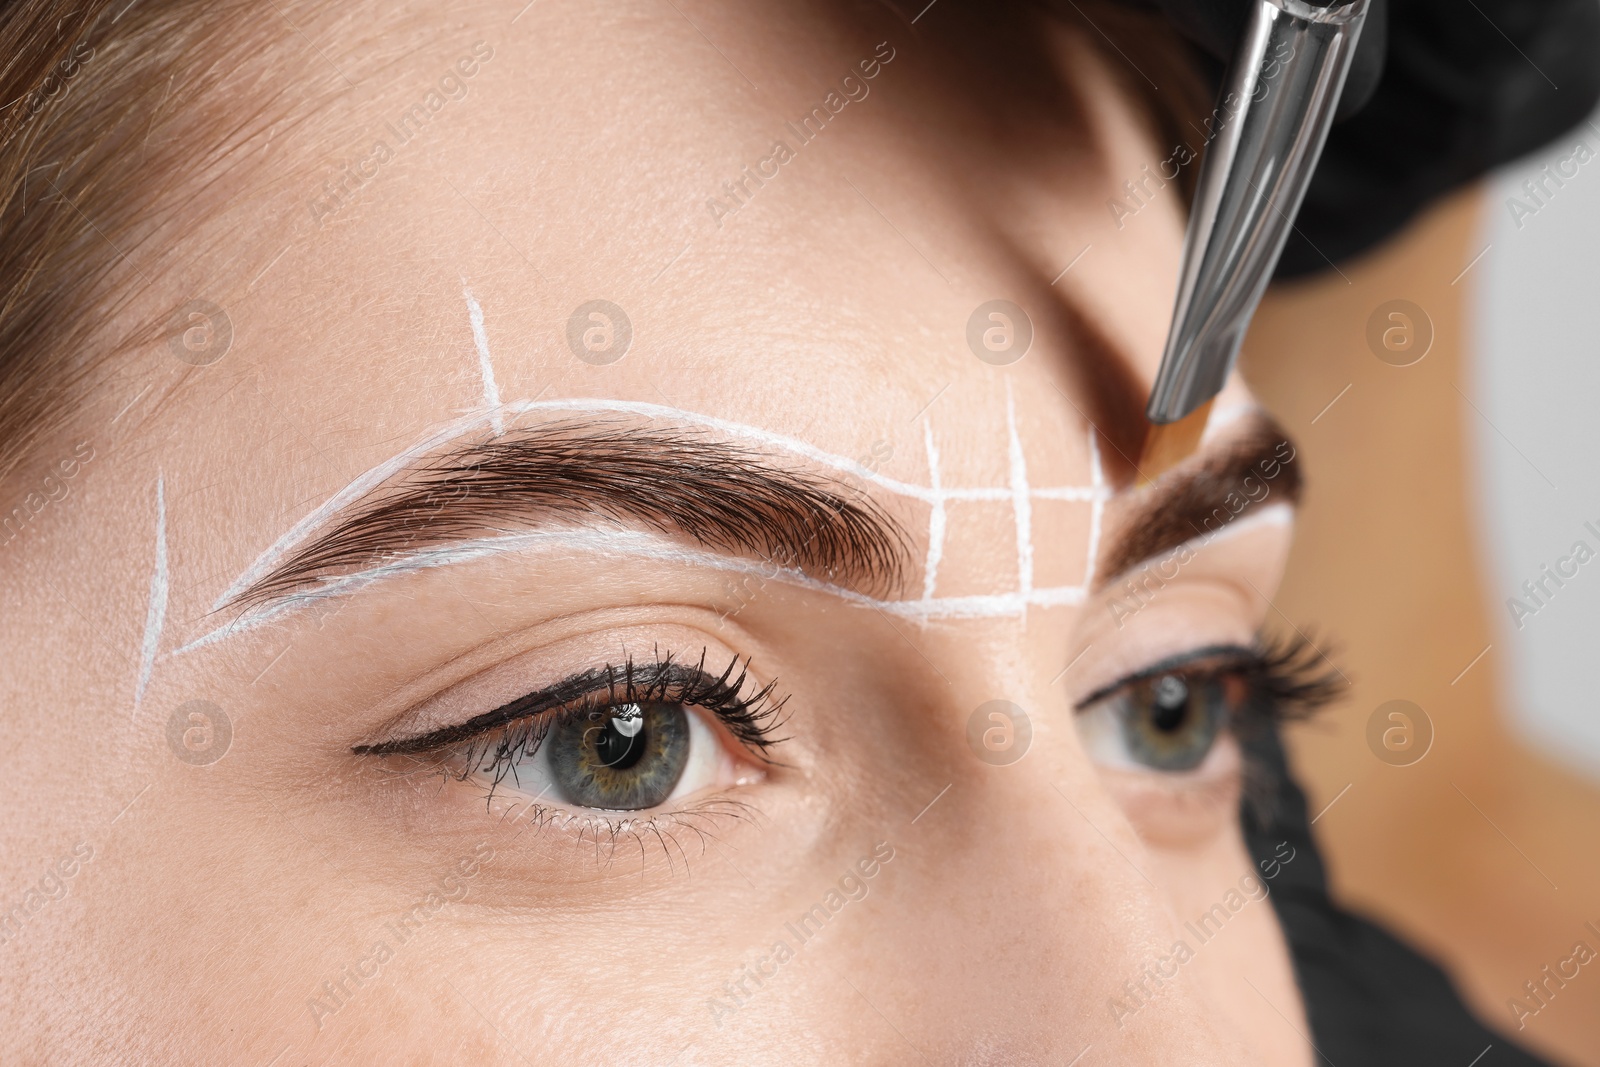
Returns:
(795,223)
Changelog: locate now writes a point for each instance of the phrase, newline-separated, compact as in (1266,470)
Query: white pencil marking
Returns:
(936,517)
(1223,417)
(1271,515)
(480,339)
(395,464)
(1097,506)
(1021,501)
(155,615)
(637,544)
(1081,493)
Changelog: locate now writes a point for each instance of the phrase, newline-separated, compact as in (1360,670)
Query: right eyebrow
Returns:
(1194,502)
(727,497)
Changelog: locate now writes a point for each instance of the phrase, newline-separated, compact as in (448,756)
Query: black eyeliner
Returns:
(751,719)
(562,693)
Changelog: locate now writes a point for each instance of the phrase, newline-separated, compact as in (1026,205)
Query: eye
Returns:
(614,738)
(1167,722)
(1169,716)
(622,758)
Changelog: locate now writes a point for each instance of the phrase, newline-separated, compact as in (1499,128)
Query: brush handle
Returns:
(1264,138)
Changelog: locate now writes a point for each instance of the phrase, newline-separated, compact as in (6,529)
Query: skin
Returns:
(1018,900)
(1404,844)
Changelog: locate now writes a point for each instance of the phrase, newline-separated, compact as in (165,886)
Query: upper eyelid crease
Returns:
(566,691)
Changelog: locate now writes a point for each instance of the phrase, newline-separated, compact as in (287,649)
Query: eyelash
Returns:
(1288,679)
(496,740)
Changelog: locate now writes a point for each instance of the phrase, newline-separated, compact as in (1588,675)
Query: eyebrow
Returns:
(1257,463)
(724,496)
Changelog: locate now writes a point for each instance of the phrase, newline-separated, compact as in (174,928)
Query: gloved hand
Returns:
(1441,92)
(1216,25)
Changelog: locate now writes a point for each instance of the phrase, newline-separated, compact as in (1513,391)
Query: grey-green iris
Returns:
(1170,722)
(623,758)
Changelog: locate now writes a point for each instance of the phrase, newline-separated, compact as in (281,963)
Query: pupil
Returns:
(1171,703)
(620,743)
(622,758)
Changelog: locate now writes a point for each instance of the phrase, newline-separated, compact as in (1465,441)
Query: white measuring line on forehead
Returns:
(156,608)
(365,483)
(480,341)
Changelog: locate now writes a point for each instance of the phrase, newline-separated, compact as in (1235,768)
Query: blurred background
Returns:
(1534,321)
(1450,456)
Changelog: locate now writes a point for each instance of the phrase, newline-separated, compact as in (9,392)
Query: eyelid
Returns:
(751,718)
(569,690)
(1228,655)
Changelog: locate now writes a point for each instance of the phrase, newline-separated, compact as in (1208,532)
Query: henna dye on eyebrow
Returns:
(1201,500)
(673,481)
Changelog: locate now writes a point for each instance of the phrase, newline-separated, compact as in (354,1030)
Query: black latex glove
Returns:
(1441,92)
(1371,999)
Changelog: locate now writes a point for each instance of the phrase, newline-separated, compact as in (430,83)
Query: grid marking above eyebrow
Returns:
(1097,507)
(1021,500)
(494,414)
(936,517)
(928,607)
(381,473)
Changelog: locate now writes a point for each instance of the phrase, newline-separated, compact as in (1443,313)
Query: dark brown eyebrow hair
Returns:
(1257,463)
(724,496)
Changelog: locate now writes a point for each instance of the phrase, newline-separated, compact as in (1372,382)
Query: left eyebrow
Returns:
(726,497)
(1199,500)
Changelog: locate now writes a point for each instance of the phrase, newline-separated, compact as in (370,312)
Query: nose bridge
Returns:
(1028,901)
(1070,919)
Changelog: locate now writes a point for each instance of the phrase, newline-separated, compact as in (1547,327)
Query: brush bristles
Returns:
(1169,444)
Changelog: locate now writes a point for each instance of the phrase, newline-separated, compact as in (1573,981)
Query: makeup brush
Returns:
(1167,444)
(1270,124)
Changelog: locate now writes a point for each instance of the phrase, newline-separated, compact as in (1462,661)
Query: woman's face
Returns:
(620,597)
